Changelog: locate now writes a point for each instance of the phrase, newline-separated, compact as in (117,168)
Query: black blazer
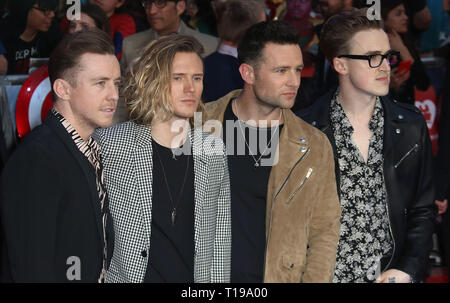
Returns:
(408,175)
(50,211)
(221,76)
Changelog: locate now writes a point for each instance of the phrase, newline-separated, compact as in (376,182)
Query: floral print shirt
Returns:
(365,231)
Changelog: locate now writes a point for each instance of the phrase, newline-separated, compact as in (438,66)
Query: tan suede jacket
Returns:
(303,209)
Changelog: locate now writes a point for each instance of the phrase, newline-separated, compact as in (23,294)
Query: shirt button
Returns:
(400,117)
(144,254)
(398,131)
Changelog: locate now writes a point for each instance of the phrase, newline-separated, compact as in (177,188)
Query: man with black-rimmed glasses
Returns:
(383,157)
(164,17)
(28,31)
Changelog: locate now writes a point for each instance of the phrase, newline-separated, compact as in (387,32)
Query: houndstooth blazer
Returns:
(127,158)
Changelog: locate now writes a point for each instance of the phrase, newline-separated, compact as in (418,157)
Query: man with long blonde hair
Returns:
(169,190)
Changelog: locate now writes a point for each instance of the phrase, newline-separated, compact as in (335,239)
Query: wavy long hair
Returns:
(148,82)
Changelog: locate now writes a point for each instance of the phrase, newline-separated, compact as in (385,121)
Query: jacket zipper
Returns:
(271,209)
(390,230)
(415,148)
(308,174)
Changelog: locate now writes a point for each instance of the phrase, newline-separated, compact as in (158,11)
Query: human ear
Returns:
(180,7)
(62,89)
(247,73)
(340,65)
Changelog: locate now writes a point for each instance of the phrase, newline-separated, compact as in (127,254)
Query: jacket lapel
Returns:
(144,179)
(83,162)
(201,171)
(389,127)
(291,150)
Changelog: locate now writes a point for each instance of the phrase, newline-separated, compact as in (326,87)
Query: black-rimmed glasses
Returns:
(47,11)
(375,60)
(147,4)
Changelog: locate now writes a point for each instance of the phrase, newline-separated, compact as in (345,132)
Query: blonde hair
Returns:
(148,82)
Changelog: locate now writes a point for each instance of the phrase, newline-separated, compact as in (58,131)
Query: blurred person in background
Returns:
(325,77)
(419,18)
(29,31)
(410,74)
(164,17)
(91,16)
(222,67)
(122,25)
(200,16)
(439,30)
(135,9)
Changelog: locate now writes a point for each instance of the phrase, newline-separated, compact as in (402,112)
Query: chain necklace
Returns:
(173,205)
(257,164)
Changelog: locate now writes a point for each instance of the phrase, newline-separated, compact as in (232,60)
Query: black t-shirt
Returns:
(248,195)
(172,247)
(19,52)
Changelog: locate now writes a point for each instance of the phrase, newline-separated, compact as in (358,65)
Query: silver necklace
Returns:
(257,164)
(173,205)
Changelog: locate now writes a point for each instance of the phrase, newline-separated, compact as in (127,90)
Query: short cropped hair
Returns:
(148,82)
(339,29)
(65,58)
(257,36)
(236,16)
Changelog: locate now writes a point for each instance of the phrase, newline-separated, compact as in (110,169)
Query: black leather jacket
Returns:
(408,175)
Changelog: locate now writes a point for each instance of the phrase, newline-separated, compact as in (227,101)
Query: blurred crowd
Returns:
(32,28)
(417,29)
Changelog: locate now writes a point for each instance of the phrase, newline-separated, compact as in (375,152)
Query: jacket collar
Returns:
(216,110)
(292,143)
(394,116)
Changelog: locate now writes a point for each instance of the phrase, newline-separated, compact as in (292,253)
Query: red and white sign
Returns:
(34,101)
(426,101)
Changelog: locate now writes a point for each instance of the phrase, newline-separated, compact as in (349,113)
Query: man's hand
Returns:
(442,206)
(394,276)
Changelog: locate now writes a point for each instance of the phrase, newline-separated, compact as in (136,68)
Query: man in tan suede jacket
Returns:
(285,208)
